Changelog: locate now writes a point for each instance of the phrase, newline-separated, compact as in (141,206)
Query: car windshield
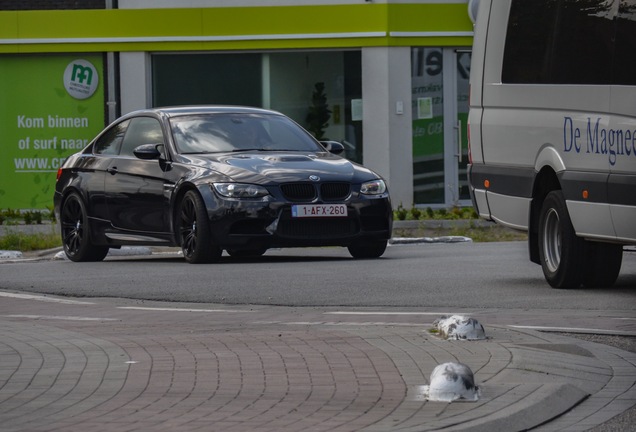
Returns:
(213,133)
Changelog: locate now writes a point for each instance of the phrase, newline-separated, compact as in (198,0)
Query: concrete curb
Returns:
(43,228)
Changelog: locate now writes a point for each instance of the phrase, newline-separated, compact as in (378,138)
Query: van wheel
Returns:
(560,250)
(602,264)
(194,231)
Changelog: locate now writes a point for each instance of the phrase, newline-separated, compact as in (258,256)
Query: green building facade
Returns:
(394,75)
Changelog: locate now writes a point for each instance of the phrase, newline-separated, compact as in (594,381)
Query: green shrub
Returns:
(51,215)
(416,213)
(400,213)
(29,217)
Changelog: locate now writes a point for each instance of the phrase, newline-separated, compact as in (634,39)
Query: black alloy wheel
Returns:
(76,232)
(194,230)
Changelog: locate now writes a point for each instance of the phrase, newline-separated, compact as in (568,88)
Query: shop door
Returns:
(440,79)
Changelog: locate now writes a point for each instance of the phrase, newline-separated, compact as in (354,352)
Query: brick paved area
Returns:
(107,365)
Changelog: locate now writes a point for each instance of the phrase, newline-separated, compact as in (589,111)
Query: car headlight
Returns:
(240,190)
(373,187)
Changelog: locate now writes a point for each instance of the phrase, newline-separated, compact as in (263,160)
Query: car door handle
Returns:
(112,170)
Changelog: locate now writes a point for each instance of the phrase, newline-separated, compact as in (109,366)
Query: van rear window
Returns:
(570,42)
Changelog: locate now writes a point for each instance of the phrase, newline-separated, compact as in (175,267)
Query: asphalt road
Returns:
(469,275)
(493,282)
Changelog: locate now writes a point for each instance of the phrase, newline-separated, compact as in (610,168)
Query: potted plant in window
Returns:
(319,112)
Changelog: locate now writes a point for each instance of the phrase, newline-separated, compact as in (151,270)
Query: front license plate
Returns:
(319,210)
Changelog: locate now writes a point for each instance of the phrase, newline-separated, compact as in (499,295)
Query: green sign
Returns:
(52,106)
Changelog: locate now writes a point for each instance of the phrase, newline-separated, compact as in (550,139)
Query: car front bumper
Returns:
(243,224)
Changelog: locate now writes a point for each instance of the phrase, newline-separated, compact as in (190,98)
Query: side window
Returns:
(559,42)
(625,65)
(142,130)
(109,143)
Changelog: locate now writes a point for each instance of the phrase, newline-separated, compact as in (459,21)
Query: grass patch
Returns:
(416,213)
(494,233)
(15,240)
(479,234)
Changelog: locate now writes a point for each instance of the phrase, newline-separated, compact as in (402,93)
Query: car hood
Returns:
(283,167)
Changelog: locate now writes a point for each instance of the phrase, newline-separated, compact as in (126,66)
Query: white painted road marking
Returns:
(339,323)
(182,309)
(42,298)
(393,313)
(575,330)
(57,317)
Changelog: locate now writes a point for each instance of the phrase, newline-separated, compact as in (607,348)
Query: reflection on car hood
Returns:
(281,167)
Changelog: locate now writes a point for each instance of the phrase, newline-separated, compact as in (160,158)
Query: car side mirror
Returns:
(333,147)
(148,151)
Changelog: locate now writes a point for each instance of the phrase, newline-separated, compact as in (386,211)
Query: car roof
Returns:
(174,111)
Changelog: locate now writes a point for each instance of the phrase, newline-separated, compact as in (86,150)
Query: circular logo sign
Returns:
(81,79)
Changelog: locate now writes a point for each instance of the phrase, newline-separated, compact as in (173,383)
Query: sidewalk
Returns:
(112,365)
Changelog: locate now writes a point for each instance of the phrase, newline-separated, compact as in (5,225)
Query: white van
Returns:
(552,129)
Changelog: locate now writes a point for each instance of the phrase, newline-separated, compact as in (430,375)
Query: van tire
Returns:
(602,264)
(560,250)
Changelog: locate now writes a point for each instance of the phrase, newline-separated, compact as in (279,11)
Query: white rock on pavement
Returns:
(459,327)
(451,382)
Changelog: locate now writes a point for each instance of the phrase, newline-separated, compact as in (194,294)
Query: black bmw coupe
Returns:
(215,178)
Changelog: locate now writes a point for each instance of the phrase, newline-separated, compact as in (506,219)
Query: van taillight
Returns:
(59,174)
